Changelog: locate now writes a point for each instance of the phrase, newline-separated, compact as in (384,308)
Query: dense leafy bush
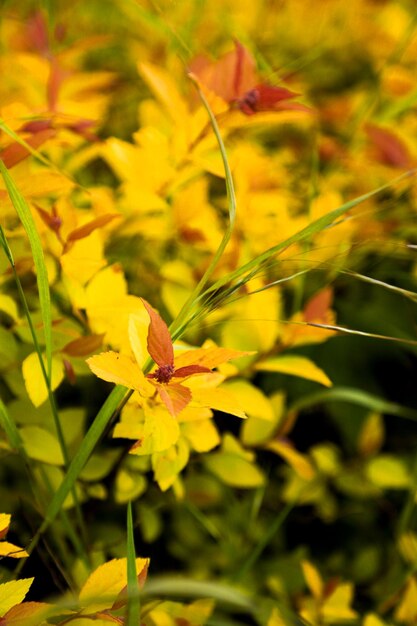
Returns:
(211,206)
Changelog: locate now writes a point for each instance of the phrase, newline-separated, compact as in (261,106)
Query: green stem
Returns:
(51,397)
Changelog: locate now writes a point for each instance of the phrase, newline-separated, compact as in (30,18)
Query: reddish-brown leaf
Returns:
(52,220)
(69,372)
(264,98)
(391,149)
(231,76)
(15,153)
(175,397)
(87,229)
(83,345)
(317,307)
(159,340)
(189,370)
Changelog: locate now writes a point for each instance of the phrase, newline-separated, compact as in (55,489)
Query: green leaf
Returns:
(27,220)
(41,445)
(133,599)
(388,472)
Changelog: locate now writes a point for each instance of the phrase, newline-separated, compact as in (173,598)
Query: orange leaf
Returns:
(175,397)
(83,345)
(207,357)
(15,153)
(391,149)
(159,340)
(317,307)
(229,77)
(87,229)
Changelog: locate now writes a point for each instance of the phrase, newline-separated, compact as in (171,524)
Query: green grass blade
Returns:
(27,220)
(231,203)
(355,396)
(10,429)
(133,599)
(315,227)
(33,151)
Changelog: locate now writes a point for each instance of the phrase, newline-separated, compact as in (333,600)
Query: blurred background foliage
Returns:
(308,506)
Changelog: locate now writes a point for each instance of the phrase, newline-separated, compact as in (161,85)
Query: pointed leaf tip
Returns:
(159,339)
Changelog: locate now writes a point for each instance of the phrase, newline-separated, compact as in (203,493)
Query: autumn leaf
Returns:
(234,78)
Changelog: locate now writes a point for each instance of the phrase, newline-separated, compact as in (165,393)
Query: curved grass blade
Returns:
(133,598)
(304,234)
(411,295)
(360,333)
(231,204)
(355,396)
(10,429)
(13,135)
(27,220)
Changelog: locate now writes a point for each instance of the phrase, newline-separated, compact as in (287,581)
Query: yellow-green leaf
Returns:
(388,472)
(105,583)
(34,379)
(13,593)
(294,365)
(41,445)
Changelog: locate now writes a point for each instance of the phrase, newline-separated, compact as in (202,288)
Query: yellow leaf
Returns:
(295,366)
(8,305)
(234,471)
(160,431)
(255,402)
(13,593)
(373,620)
(9,549)
(371,436)
(337,606)
(388,472)
(34,380)
(313,579)
(128,486)
(407,608)
(202,434)
(219,399)
(168,464)
(30,614)
(121,370)
(4,524)
(138,335)
(297,460)
(108,306)
(165,89)
(84,258)
(207,357)
(275,619)
(41,445)
(106,582)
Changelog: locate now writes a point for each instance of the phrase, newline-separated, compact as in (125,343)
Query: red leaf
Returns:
(391,149)
(175,397)
(52,220)
(317,307)
(13,154)
(87,229)
(189,370)
(83,345)
(231,76)
(69,372)
(159,340)
(263,98)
